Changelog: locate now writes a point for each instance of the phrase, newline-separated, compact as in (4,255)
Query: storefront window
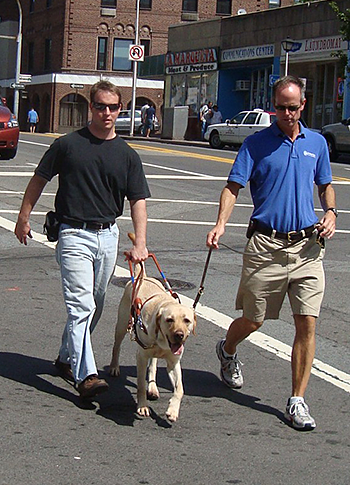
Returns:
(193,90)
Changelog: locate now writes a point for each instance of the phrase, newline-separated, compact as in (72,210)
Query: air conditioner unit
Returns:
(242,85)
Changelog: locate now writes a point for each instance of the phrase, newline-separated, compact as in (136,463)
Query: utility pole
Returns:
(18,60)
(134,77)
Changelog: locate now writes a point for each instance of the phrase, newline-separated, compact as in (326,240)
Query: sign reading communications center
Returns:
(251,52)
(187,62)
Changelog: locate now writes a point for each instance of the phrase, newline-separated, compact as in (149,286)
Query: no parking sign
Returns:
(136,52)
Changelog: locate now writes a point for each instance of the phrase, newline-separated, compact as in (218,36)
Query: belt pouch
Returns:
(51,226)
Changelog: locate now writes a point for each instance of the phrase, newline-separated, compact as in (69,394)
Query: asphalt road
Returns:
(222,436)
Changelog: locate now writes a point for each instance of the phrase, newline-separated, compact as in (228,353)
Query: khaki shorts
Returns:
(274,267)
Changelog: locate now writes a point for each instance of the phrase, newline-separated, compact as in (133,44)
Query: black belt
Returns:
(92,226)
(291,236)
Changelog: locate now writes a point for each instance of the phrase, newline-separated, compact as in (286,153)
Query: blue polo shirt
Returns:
(282,174)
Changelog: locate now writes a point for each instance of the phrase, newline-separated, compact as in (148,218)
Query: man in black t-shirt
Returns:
(96,170)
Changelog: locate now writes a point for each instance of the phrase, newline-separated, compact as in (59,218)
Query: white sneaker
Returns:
(230,370)
(299,416)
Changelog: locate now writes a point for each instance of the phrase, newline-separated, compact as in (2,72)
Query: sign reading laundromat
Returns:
(191,61)
(244,53)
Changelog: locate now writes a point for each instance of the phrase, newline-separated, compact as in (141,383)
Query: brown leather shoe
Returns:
(64,370)
(91,386)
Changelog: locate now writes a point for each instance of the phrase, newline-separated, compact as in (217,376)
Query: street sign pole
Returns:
(18,60)
(134,77)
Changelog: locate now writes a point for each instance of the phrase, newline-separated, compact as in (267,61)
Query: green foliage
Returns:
(344,18)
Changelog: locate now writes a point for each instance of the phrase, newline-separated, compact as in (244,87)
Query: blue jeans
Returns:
(87,260)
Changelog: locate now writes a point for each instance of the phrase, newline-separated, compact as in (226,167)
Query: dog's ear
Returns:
(194,323)
(158,317)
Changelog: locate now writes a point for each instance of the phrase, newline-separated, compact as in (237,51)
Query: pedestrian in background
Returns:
(149,120)
(205,114)
(32,119)
(216,116)
(96,171)
(285,248)
(143,118)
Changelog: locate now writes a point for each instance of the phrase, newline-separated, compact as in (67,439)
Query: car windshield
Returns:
(238,118)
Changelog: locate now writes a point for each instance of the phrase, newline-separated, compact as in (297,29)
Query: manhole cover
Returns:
(176,285)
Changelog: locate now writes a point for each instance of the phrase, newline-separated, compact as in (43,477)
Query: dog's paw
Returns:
(152,393)
(143,411)
(114,370)
(172,414)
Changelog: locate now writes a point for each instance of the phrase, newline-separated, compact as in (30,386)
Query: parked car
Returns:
(337,136)
(9,132)
(234,131)
(123,122)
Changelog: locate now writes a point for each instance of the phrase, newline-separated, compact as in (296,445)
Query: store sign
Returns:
(248,53)
(191,61)
(319,48)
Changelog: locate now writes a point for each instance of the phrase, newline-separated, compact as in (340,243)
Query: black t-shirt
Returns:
(95,176)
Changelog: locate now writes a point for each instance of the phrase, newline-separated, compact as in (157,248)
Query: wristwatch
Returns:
(334,210)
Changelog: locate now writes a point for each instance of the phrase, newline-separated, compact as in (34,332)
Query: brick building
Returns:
(75,43)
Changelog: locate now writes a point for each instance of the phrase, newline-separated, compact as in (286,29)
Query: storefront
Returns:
(244,78)
(191,80)
(317,61)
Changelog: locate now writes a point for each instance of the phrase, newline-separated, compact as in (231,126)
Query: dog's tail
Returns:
(140,266)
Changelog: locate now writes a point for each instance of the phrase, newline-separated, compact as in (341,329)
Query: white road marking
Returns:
(326,372)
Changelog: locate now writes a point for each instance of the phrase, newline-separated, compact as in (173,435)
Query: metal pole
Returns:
(286,66)
(134,77)
(18,60)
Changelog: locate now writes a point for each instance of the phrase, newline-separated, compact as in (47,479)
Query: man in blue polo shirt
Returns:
(284,252)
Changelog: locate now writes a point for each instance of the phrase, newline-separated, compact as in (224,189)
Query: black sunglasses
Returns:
(292,108)
(102,106)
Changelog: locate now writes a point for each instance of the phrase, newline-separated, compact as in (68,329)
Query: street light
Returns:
(18,60)
(287,45)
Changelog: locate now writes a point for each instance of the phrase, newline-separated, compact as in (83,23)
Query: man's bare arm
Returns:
(327,198)
(31,196)
(139,250)
(228,199)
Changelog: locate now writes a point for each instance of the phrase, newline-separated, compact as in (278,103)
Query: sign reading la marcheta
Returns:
(191,61)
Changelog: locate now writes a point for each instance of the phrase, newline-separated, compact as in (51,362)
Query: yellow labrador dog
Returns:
(164,327)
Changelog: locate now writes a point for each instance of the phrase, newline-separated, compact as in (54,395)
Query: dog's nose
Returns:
(179,336)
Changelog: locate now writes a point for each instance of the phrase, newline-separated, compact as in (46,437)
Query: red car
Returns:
(9,132)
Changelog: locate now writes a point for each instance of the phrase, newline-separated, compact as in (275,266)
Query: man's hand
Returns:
(214,236)
(326,226)
(22,231)
(137,254)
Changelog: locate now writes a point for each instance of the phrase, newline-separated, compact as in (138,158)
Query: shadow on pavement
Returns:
(119,404)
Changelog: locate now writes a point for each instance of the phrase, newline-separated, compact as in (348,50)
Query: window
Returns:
(47,58)
(109,3)
(102,54)
(251,119)
(274,3)
(31,6)
(223,7)
(146,44)
(30,56)
(121,55)
(189,6)
(145,4)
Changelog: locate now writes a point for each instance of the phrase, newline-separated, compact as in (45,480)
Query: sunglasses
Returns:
(102,106)
(291,109)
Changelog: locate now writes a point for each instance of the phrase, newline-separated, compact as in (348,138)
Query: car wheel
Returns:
(215,141)
(333,152)
(8,154)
